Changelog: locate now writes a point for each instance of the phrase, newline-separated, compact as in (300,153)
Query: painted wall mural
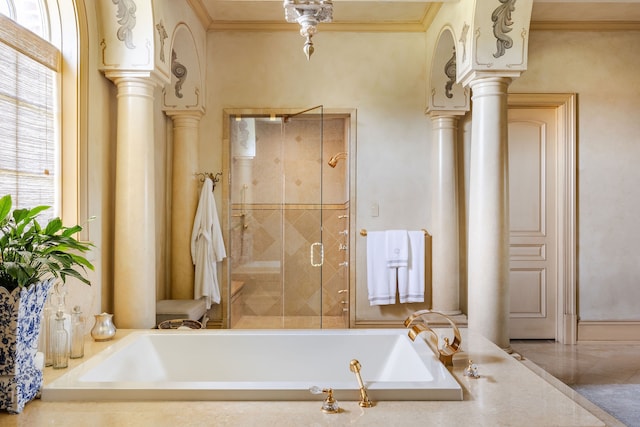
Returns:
(450,72)
(179,71)
(502,23)
(127,19)
(162,32)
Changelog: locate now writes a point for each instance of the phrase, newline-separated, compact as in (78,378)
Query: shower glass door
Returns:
(275,239)
(303,250)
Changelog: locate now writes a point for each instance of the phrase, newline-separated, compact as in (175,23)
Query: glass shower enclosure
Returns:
(277,247)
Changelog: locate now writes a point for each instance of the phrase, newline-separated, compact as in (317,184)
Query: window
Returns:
(29,135)
(27,13)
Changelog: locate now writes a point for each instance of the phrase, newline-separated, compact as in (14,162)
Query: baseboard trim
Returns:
(608,331)
(460,321)
(375,324)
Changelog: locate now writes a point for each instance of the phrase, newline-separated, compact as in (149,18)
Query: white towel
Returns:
(411,278)
(207,247)
(381,280)
(397,242)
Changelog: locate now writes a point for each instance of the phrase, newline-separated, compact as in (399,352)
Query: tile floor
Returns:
(588,363)
(602,372)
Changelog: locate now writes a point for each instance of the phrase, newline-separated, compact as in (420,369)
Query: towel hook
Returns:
(215,178)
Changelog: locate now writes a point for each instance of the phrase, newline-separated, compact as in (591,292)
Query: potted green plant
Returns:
(32,257)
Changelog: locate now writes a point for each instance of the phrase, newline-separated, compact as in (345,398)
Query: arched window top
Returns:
(31,14)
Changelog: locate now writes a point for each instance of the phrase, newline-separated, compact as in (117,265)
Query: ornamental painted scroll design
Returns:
(179,71)
(450,72)
(502,23)
(463,41)
(162,33)
(127,19)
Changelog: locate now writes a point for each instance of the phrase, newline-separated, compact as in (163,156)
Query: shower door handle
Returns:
(312,253)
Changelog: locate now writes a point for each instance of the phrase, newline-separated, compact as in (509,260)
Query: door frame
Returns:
(566,290)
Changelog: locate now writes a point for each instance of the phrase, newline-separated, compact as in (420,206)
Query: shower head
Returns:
(334,160)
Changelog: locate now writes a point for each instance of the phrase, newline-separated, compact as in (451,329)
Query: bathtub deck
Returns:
(509,393)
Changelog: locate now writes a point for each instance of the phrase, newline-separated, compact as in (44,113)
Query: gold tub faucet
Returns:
(448,348)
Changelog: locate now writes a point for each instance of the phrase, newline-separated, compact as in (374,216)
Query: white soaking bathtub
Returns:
(258,365)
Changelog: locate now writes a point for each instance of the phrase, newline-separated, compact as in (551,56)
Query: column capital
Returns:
(439,114)
(444,122)
(140,76)
(181,114)
(474,77)
(491,86)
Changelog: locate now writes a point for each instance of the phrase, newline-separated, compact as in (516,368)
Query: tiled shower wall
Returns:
(278,276)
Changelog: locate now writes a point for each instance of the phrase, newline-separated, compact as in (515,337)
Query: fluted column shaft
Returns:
(134,240)
(488,257)
(445,246)
(184,200)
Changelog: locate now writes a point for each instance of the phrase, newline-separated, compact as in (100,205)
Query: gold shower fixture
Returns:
(354,366)
(308,14)
(334,160)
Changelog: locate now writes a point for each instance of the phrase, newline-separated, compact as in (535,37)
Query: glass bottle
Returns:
(46,330)
(77,333)
(60,343)
(60,306)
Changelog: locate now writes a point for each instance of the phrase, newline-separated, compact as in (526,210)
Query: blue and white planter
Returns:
(20,318)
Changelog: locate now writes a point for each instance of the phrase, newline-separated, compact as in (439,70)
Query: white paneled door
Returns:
(533,215)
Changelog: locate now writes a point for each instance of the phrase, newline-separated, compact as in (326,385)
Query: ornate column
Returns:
(444,209)
(134,241)
(184,203)
(488,257)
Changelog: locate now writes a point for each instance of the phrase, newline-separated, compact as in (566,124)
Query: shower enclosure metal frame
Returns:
(235,214)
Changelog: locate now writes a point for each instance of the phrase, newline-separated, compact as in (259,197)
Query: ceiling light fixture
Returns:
(308,14)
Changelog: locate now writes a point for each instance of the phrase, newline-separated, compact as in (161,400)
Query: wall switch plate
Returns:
(375,209)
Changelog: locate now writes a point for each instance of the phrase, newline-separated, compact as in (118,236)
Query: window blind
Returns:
(28,140)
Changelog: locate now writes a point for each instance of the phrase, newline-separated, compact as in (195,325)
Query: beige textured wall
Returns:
(602,68)
(382,75)
(98,164)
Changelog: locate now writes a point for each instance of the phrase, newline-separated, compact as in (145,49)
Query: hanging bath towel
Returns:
(381,280)
(397,247)
(411,278)
(207,247)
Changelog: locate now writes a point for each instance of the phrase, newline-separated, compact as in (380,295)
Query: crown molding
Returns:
(585,26)
(395,27)
(201,12)
(430,15)
(390,27)
(420,26)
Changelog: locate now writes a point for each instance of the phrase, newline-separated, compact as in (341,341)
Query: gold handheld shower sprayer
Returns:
(354,366)
(333,161)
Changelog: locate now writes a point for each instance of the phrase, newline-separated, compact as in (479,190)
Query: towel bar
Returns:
(363,232)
